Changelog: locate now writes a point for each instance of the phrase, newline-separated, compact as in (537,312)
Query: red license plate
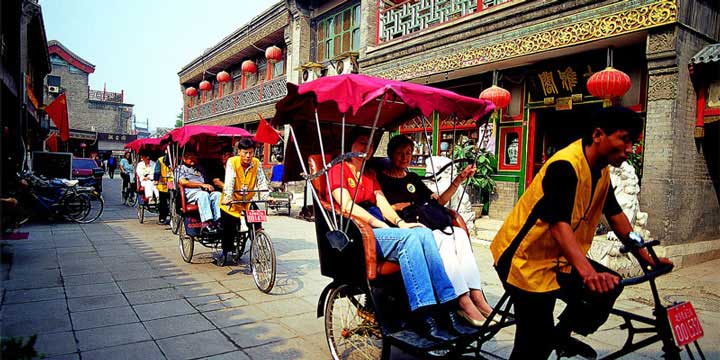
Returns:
(685,323)
(256,216)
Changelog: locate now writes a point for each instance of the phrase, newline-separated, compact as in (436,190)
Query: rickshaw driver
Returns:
(242,172)
(540,250)
(192,177)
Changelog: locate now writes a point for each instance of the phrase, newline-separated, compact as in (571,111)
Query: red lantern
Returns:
(497,95)
(205,85)
(223,77)
(273,54)
(609,83)
(248,66)
(191,92)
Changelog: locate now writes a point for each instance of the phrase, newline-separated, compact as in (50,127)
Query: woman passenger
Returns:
(404,188)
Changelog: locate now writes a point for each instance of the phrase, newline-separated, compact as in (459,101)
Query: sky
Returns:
(140,45)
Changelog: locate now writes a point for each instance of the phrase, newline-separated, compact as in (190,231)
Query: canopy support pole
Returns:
(327,177)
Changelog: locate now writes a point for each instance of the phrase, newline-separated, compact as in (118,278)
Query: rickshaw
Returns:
(364,307)
(207,141)
(154,148)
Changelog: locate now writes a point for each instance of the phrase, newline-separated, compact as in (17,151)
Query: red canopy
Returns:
(356,96)
(147,144)
(183,135)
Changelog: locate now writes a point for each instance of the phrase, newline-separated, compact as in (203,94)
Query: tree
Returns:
(179,120)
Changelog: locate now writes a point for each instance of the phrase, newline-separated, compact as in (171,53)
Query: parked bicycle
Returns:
(59,198)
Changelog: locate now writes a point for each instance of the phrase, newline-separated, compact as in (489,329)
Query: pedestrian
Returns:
(276,174)
(112,165)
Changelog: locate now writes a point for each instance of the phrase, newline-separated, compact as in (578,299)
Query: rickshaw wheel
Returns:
(131,200)
(187,244)
(240,241)
(262,261)
(141,213)
(175,219)
(351,330)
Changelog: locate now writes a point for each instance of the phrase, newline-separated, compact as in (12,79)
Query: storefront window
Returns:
(421,148)
(338,33)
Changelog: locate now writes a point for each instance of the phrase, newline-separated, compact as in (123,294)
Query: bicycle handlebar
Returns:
(635,242)
(648,275)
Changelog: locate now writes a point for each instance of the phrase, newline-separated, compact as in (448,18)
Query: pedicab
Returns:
(207,142)
(364,307)
(154,149)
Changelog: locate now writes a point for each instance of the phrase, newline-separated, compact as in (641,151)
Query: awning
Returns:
(708,54)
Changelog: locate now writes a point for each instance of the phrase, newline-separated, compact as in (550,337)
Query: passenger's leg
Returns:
(534,327)
(439,278)
(215,204)
(202,199)
(451,261)
(469,269)
(148,188)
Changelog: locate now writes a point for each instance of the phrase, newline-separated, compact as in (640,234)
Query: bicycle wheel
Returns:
(187,244)
(96,208)
(175,219)
(74,207)
(240,241)
(131,199)
(262,261)
(351,330)
(141,213)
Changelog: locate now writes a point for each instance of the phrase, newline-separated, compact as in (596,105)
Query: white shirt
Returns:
(145,172)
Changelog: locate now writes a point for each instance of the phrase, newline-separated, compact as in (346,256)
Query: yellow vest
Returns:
(241,179)
(166,175)
(526,255)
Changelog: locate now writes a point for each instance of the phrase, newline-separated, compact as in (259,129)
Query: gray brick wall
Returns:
(503,200)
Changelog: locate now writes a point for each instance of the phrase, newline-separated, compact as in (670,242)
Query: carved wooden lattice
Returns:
(267,92)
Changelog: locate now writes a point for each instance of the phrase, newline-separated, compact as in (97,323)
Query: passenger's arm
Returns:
(597,282)
(357,210)
(389,213)
(447,194)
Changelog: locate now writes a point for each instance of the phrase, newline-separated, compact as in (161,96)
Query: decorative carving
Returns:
(661,41)
(264,93)
(662,87)
(575,29)
(413,16)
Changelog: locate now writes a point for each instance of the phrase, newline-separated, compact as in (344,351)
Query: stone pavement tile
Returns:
(196,345)
(56,343)
(21,284)
(236,316)
(256,296)
(194,290)
(186,279)
(34,318)
(125,259)
(177,325)
(111,335)
(92,290)
(304,324)
(152,296)
(143,284)
(103,317)
(239,283)
(147,350)
(87,303)
(163,309)
(258,333)
(121,275)
(132,266)
(235,355)
(87,279)
(28,295)
(75,356)
(83,269)
(74,250)
(63,242)
(296,348)
(286,307)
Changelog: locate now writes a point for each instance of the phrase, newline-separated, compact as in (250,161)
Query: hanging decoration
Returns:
(609,84)
(205,85)
(247,67)
(495,94)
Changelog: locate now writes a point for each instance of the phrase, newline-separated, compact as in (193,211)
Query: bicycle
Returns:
(58,197)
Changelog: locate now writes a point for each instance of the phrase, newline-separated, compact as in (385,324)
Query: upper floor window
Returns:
(53,80)
(338,32)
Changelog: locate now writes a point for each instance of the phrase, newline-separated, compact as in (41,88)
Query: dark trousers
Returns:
(163,205)
(229,224)
(111,171)
(535,332)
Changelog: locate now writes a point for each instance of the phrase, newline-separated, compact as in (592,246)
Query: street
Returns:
(117,289)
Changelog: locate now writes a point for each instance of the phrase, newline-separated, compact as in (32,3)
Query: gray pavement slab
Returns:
(152,296)
(236,316)
(303,324)
(295,348)
(258,333)
(234,355)
(28,295)
(178,325)
(196,345)
(111,335)
(163,309)
(146,350)
(58,343)
(285,307)
(103,317)
(96,302)
(87,279)
(92,290)
(143,284)
(34,318)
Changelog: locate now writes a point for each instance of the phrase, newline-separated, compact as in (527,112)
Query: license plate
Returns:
(256,216)
(685,323)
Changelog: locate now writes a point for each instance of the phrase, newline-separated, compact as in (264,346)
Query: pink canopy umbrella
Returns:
(146,144)
(200,133)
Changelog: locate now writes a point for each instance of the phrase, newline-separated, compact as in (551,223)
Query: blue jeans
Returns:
(208,203)
(423,273)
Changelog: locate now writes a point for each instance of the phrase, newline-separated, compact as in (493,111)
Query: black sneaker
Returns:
(571,346)
(208,230)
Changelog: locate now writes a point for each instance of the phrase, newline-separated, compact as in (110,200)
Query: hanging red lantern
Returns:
(273,54)
(609,83)
(497,95)
(191,92)
(248,66)
(223,77)
(205,85)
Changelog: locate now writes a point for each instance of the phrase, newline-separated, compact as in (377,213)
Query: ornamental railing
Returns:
(412,16)
(264,93)
(101,95)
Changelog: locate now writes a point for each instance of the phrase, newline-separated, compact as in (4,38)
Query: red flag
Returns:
(52,142)
(265,133)
(58,112)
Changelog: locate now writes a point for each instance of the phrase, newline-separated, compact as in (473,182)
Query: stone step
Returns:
(486,223)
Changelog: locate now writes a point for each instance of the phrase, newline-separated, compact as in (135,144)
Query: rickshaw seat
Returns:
(373,266)
(186,208)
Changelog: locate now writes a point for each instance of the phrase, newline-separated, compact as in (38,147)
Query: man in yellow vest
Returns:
(163,176)
(540,251)
(242,172)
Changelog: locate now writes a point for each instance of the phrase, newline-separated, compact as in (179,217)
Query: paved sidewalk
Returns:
(117,289)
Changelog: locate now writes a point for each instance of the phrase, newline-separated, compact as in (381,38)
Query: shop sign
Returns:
(558,80)
(564,103)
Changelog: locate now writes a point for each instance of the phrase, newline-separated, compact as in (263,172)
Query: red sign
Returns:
(685,323)
(256,216)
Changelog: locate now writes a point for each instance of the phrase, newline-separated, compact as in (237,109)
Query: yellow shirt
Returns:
(236,178)
(525,253)
(166,175)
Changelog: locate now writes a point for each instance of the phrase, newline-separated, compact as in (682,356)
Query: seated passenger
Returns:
(242,172)
(217,172)
(145,172)
(410,244)
(404,188)
(192,178)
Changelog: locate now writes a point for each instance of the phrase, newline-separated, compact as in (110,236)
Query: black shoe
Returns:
(456,325)
(208,230)
(428,327)
(571,346)
(222,259)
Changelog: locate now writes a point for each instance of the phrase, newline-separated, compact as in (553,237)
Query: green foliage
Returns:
(179,120)
(486,166)
(17,348)
(636,158)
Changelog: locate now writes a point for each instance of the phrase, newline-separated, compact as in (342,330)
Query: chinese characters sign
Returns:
(560,80)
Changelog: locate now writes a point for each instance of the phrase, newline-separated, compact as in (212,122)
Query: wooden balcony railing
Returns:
(264,93)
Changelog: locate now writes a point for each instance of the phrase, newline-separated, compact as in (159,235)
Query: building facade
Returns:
(99,119)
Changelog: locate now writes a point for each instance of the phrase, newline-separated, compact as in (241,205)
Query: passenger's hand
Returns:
(468,172)
(225,202)
(409,225)
(601,282)
(208,187)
